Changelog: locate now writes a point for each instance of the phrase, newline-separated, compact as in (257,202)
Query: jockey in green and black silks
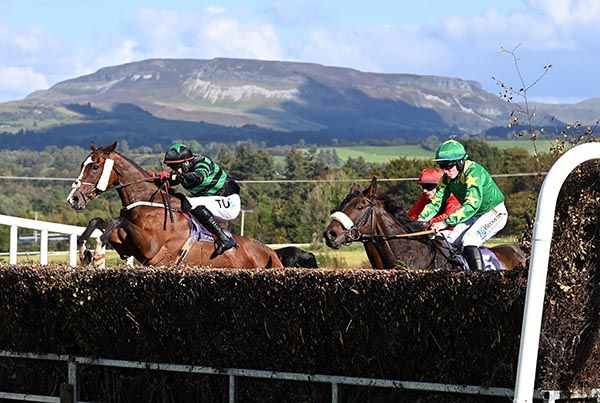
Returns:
(213,192)
(482,213)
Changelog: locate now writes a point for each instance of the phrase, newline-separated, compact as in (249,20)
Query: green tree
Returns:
(492,158)
(251,163)
(356,167)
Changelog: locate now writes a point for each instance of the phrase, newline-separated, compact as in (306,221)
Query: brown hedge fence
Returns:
(440,326)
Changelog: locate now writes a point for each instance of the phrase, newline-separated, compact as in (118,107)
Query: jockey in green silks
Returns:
(214,192)
(482,213)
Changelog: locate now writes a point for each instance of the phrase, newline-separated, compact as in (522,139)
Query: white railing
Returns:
(45,228)
(74,365)
(538,265)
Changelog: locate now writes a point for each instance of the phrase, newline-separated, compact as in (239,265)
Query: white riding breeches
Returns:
(224,207)
(476,230)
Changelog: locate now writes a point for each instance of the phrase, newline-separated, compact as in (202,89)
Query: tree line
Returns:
(281,212)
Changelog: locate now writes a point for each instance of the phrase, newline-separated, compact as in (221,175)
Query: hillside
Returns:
(159,100)
(586,112)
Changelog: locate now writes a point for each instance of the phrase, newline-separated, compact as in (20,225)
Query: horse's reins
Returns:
(104,179)
(408,235)
(352,229)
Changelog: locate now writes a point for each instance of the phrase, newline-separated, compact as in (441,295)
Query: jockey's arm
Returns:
(433,207)
(187,179)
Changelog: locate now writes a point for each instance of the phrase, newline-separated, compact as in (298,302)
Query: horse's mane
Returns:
(135,164)
(398,212)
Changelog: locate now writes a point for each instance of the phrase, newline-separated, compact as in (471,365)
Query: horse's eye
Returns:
(360,207)
(95,167)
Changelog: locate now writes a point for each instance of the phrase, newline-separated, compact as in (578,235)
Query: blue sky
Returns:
(43,42)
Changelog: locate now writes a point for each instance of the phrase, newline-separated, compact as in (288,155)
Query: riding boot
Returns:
(473,257)
(224,241)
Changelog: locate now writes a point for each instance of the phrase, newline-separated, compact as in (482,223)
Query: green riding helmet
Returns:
(451,150)
(177,154)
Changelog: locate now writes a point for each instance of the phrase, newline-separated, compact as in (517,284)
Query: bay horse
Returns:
(154,232)
(383,229)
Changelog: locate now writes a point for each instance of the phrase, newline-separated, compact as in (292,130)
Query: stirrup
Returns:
(221,247)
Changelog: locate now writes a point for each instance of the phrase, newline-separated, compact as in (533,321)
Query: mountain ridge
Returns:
(285,100)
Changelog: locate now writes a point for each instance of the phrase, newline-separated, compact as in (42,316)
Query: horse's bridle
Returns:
(98,187)
(351,229)
(102,184)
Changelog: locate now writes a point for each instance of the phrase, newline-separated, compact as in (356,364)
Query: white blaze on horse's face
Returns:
(77,198)
(77,182)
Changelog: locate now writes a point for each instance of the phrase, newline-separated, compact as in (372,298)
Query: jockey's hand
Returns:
(164,176)
(152,174)
(438,226)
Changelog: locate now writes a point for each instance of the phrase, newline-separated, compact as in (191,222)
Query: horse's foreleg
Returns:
(85,256)
(105,238)
(100,255)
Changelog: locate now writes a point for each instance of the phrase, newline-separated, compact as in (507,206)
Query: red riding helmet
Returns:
(430,176)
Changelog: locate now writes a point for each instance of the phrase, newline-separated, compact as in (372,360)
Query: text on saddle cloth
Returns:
(490,261)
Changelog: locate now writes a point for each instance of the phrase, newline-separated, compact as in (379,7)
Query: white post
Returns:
(242,225)
(243,219)
(538,266)
(44,247)
(73,250)
(14,239)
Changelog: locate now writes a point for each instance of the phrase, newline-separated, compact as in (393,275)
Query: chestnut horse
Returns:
(151,227)
(361,216)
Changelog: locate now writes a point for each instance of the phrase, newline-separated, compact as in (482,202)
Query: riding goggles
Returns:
(446,164)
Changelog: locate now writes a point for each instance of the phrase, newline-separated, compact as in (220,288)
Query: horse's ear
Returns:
(111,147)
(355,189)
(93,146)
(371,191)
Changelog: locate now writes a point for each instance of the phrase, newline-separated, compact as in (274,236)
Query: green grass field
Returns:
(347,257)
(383,154)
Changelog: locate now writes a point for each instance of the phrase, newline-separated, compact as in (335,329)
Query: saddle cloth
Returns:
(202,234)
(490,261)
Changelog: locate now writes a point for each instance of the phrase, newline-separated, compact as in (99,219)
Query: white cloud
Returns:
(566,12)
(399,50)
(228,37)
(88,61)
(552,31)
(21,80)
(30,41)
(493,28)
(203,35)
(214,9)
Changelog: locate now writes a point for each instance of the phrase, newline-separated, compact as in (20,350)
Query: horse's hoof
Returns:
(99,261)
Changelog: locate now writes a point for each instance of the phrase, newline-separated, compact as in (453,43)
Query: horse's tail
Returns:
(274,262)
